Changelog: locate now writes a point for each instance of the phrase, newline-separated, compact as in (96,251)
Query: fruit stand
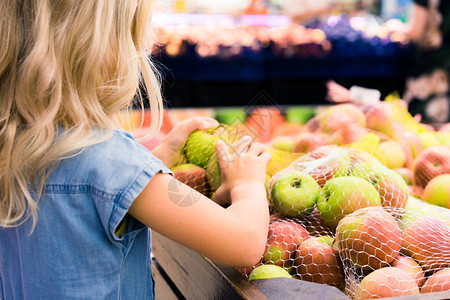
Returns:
(174,264)
(372,206)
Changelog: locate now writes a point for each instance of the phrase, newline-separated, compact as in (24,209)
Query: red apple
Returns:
(411,267)
(307,141)
(370,238)
(193,176)
(386,282)
(338,116)
(325,163)
(430,163)
(427,240)
(439,281)
(316,260)
(282,241)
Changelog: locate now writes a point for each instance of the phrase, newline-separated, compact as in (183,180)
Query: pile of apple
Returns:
(343,213)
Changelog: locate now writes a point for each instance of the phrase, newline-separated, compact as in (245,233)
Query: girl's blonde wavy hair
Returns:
(66,68)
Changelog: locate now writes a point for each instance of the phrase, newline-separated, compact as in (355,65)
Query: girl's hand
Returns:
(241,163)
(169,150)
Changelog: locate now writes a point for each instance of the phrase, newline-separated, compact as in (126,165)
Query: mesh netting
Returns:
(340,216)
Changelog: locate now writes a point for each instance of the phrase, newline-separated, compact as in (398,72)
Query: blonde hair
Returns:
(66,68)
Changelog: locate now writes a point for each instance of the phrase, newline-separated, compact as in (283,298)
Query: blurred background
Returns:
(226,53)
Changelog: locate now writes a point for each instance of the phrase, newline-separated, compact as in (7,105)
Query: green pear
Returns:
(343,195)
(391,186)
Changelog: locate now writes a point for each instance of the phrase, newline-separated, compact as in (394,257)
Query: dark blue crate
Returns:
(248,65)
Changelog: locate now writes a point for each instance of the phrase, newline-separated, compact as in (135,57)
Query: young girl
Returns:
(69,181)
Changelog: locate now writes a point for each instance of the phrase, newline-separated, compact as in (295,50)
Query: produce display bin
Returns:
(181,273)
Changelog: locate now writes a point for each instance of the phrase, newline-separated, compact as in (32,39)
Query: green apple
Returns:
(437,191)
(295,194)
(391,154)
(341,196)
(300,114)
(201,145)
(268,271)
(285,143)
(417,209)
(429,139)
(391,187)
(230,115)
(213,173)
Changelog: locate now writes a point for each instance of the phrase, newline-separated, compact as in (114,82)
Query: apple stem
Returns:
(297,183)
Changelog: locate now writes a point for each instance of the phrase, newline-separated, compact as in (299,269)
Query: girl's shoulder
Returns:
(113,163)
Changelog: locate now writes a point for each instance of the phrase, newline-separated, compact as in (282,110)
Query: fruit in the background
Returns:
(443,137)
(437,282)
(437,191)
(379,117)
(285,143)
(325,163)
(316,260)
(338,116)
(193,176)
(200,146)
(359,156)
(427,240)
(391,187)
(281,159)
(417,209)
(391,153)
(343,195)
(300,114)
(268,271)
(295,194)
(287,129)
(415,144)
(307,141)
(445,128)
(151,143)
(429,139)
(386,282)
(346,135)
(263,121)
(282,240)
(230,115)
(430,163)
(411,267)
(369,238)
(406,174)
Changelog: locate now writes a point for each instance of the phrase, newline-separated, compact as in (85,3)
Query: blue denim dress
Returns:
(74,251)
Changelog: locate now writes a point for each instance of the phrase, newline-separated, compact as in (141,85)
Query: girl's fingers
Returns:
(266,157)
(243,144)
(223,154)
(256,149)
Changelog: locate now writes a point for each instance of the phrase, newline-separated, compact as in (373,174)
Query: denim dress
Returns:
(74,251)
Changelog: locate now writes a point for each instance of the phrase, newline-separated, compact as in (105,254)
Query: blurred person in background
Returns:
(427,90)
